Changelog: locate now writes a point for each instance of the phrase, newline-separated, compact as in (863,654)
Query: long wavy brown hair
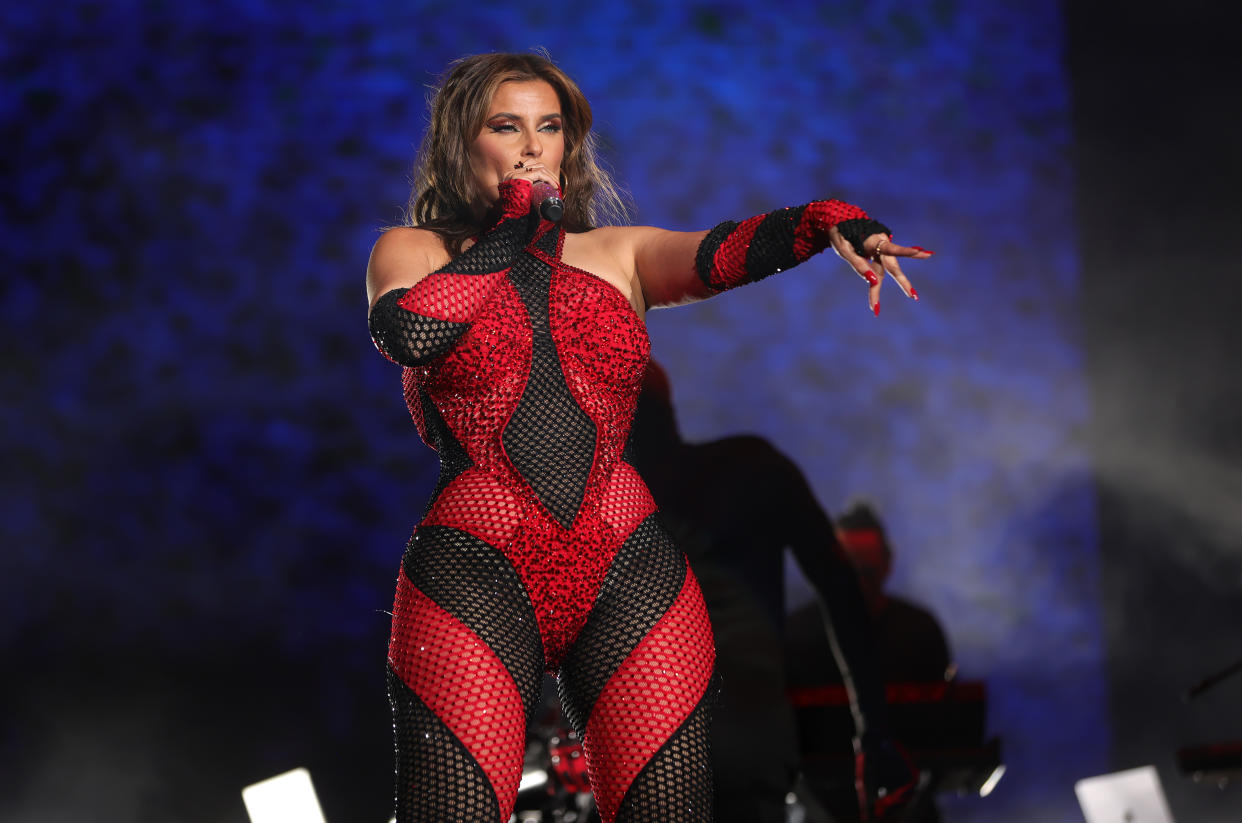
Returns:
(443,183)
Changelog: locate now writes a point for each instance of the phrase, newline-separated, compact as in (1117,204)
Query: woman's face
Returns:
(523,126)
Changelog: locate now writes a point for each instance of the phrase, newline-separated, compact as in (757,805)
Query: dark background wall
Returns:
(208,474)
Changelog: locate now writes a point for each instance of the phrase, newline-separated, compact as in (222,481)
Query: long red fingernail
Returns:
(920,248)
(877,309)
(871,278)
(914,293)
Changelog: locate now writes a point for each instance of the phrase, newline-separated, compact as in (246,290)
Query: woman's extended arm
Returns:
(420,301)
(678,267)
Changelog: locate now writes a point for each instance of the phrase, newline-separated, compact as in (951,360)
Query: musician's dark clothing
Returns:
(910,644)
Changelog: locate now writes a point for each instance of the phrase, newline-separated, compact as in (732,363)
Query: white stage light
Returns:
(1132,796)
(993,779)
(532,779)
(285,798)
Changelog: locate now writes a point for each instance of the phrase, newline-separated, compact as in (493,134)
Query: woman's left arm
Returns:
(679,267)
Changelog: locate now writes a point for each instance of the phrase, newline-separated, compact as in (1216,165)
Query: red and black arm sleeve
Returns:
(412,326)
(734,254)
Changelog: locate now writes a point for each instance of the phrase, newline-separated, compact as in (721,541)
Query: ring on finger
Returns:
(875,255)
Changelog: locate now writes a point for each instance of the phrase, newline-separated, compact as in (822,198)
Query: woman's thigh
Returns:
(464,669)
(636,684)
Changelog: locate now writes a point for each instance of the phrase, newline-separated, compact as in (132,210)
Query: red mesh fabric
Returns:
(449,296)
(676,784)
(477,503)
(413,326)
(462,681)
(625,501)
(478,383)
(651,695)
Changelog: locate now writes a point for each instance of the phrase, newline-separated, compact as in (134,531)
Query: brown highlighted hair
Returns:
(443,183)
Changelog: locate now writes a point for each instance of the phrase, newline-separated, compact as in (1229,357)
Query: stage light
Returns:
(1132,795)
(532,778)
(285,798)
(993,779)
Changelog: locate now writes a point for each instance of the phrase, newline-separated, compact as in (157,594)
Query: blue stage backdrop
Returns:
(203,453)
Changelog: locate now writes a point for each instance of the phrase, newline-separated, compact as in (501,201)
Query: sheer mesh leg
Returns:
(465,663)
(636,685)
(437,777)
(676,784)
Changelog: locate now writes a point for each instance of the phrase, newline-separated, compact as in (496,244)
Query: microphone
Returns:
(551,206)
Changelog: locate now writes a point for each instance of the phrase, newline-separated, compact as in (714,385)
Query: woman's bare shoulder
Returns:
(401,241)
(401,257)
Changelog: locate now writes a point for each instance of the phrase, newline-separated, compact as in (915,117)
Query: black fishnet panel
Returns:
(408,338)
(453,457)
(772,246)
(549,439)
(676,784)
(705,257)
(437,779)
(495,250)
(642,583)
(476,584)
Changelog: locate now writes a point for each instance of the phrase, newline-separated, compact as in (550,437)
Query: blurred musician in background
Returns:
(910,650)
(735,505)
(910,644)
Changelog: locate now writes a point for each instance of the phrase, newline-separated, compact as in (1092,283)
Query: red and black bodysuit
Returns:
(540,549)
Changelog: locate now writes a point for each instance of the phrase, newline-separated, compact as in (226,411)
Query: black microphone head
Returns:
(552,209)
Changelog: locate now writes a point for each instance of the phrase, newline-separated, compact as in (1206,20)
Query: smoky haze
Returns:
(1158,207)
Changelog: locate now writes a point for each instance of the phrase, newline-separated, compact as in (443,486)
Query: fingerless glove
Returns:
(734,254)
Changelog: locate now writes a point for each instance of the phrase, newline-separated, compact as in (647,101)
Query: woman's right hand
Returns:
(517,201)
(881,259)
(534,171)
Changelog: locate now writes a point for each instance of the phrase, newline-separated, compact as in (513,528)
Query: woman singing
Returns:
(524,350)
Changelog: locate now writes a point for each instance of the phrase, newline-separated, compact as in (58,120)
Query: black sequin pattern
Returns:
(772,247)
(857,230)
